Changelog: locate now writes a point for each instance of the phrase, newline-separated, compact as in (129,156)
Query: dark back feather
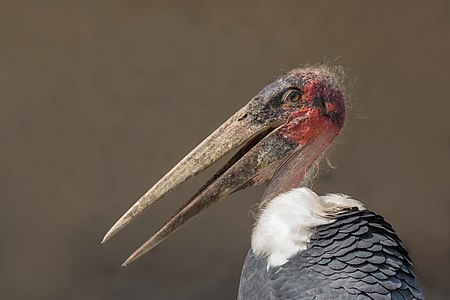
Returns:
(359,256)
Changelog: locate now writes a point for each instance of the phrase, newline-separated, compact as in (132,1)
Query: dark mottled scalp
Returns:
(359,256)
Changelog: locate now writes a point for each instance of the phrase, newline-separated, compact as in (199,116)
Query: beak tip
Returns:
(110,234)
(119,225)
(129,260)
(132,213)
(105,239)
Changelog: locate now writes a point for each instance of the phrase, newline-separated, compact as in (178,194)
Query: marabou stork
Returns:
(303,246)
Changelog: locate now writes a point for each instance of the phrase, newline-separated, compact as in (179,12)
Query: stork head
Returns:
(282,131)
(307,101)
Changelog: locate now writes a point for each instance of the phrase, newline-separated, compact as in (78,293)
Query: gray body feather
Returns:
(358,256)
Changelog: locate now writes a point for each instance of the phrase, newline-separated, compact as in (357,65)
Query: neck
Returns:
(290,213)
(295,171)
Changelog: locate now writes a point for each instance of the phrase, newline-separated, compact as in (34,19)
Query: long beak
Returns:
(240,171)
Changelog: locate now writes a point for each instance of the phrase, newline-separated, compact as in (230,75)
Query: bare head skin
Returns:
(282,131)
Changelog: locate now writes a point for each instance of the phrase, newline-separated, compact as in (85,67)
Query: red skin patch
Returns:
(307,120)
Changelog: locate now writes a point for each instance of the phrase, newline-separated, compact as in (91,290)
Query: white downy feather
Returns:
(287,223)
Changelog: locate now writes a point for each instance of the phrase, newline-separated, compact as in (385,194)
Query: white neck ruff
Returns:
(287,223)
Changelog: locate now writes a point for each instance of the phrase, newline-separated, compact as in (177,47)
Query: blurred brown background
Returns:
(100,98)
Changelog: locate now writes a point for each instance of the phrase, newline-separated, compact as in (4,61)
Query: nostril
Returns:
(320,103)
(242,117)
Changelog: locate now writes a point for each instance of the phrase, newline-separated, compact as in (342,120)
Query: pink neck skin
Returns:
(294,171)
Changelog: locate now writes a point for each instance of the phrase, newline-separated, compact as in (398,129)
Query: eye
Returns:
(292,95)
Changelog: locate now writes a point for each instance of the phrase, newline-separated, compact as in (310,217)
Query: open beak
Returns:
(276,136)
(249,166)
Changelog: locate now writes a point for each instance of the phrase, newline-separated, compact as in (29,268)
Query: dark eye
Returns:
(292,95)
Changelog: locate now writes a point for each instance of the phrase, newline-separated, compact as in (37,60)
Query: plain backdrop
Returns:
(98,99)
